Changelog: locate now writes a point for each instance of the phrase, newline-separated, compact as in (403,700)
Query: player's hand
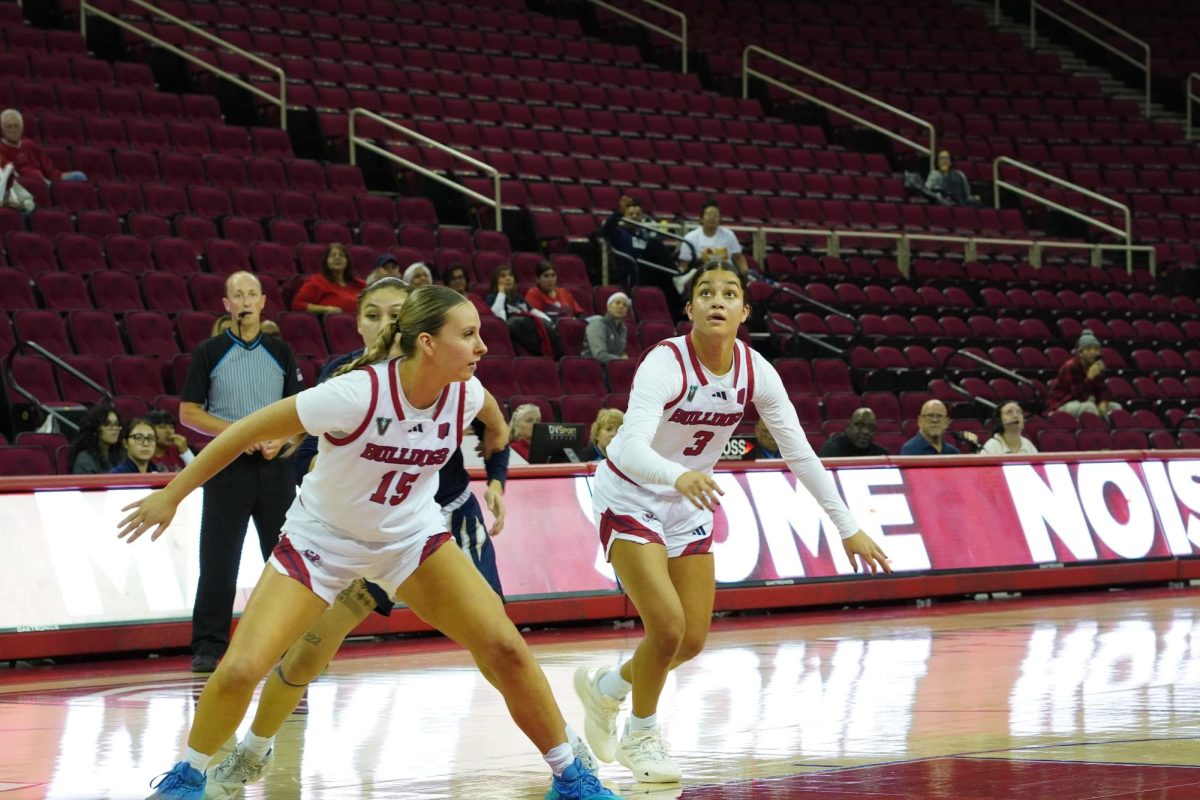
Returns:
(154,511)
(699,488)
(493,498)
(252,449)
(270,448)
(864,547)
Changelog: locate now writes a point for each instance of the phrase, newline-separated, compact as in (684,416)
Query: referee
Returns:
(233,375)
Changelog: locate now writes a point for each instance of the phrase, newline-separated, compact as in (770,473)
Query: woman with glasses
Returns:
(96,448)
(653,499)
(140,442)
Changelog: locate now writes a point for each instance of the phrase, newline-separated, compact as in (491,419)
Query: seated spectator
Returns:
(709,242)
(386,266)
(12,193)
(549,298)
(608,422)
(96,447)
(1079,386)
(140,442)
(456,278)
(857,440)
(171,453)
(607,335)
(418,275)
(932,425)
(765,444)
(948,185)
(27,157)
(520,428)
(528,327)
(633,244)
(334,289)
(1010,422)
(221,324)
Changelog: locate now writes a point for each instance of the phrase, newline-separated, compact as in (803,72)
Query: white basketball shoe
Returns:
(600,713)
(644,753)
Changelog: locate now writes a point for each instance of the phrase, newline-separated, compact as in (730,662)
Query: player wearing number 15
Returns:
(367,509)
(653,498)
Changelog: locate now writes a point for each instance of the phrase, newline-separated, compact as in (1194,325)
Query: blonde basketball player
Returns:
(653,498)
(367,509)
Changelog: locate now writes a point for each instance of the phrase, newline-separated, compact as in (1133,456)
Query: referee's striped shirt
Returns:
(230,378)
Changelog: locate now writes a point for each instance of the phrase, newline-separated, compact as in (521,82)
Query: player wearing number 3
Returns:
(653,499)
(367,509)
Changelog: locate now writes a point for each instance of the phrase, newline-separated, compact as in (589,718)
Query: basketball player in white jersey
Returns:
(367,510)
(653,498)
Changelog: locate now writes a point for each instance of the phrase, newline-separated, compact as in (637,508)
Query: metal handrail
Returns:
(930,150)
(57,362)
(997,184)
(833,236)
(1144,65)
(1191,97)
(357,141)
(681,37)
(992,365)
(85,8)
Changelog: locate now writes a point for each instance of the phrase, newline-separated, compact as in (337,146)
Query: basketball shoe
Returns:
(600,713)
(238,769)
(644,753)
(580,749)
(183,782)
(578,783)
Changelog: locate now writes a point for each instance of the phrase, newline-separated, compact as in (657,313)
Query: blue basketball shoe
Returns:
(578,783)
(183,782)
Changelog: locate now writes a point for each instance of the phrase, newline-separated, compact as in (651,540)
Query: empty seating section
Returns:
(122,276)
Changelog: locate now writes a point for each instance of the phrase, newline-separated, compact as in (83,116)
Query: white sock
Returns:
(612,684)
(256,745)
(559,758)
(572,737)
(198,760)
(638,724)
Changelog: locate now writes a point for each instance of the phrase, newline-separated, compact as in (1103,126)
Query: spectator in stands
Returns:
(1079,386)
(520,428)
(633,244)
(334,289)
(548,297)
(221,324)
(528,327)
(386,266)
(709,242)
(418,275)
(857,440)
(172,453)
(27,157)
(930,439)
(96,447)
(607,335)
(456,278)
(947,184)
(230,377)
(1010,422)
(608,422)
(765,444)
(140,441)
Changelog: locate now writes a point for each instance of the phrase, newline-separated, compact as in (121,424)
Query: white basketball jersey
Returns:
(696,425)
(377,482)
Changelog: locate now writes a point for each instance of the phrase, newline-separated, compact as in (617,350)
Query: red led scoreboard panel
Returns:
(951,525)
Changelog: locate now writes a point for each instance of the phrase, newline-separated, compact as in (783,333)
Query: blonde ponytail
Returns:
(378,351)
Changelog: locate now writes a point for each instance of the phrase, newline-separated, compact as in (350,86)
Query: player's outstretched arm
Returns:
(155,511)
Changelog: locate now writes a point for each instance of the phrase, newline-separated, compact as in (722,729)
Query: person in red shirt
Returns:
(1080,385)
(334,289)
(171,453)
(549,298)
(26,156)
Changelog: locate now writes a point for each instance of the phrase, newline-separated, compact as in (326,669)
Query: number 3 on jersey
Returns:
(702,440)
(403,486)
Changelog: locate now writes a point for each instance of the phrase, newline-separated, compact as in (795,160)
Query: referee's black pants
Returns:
(250,487)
